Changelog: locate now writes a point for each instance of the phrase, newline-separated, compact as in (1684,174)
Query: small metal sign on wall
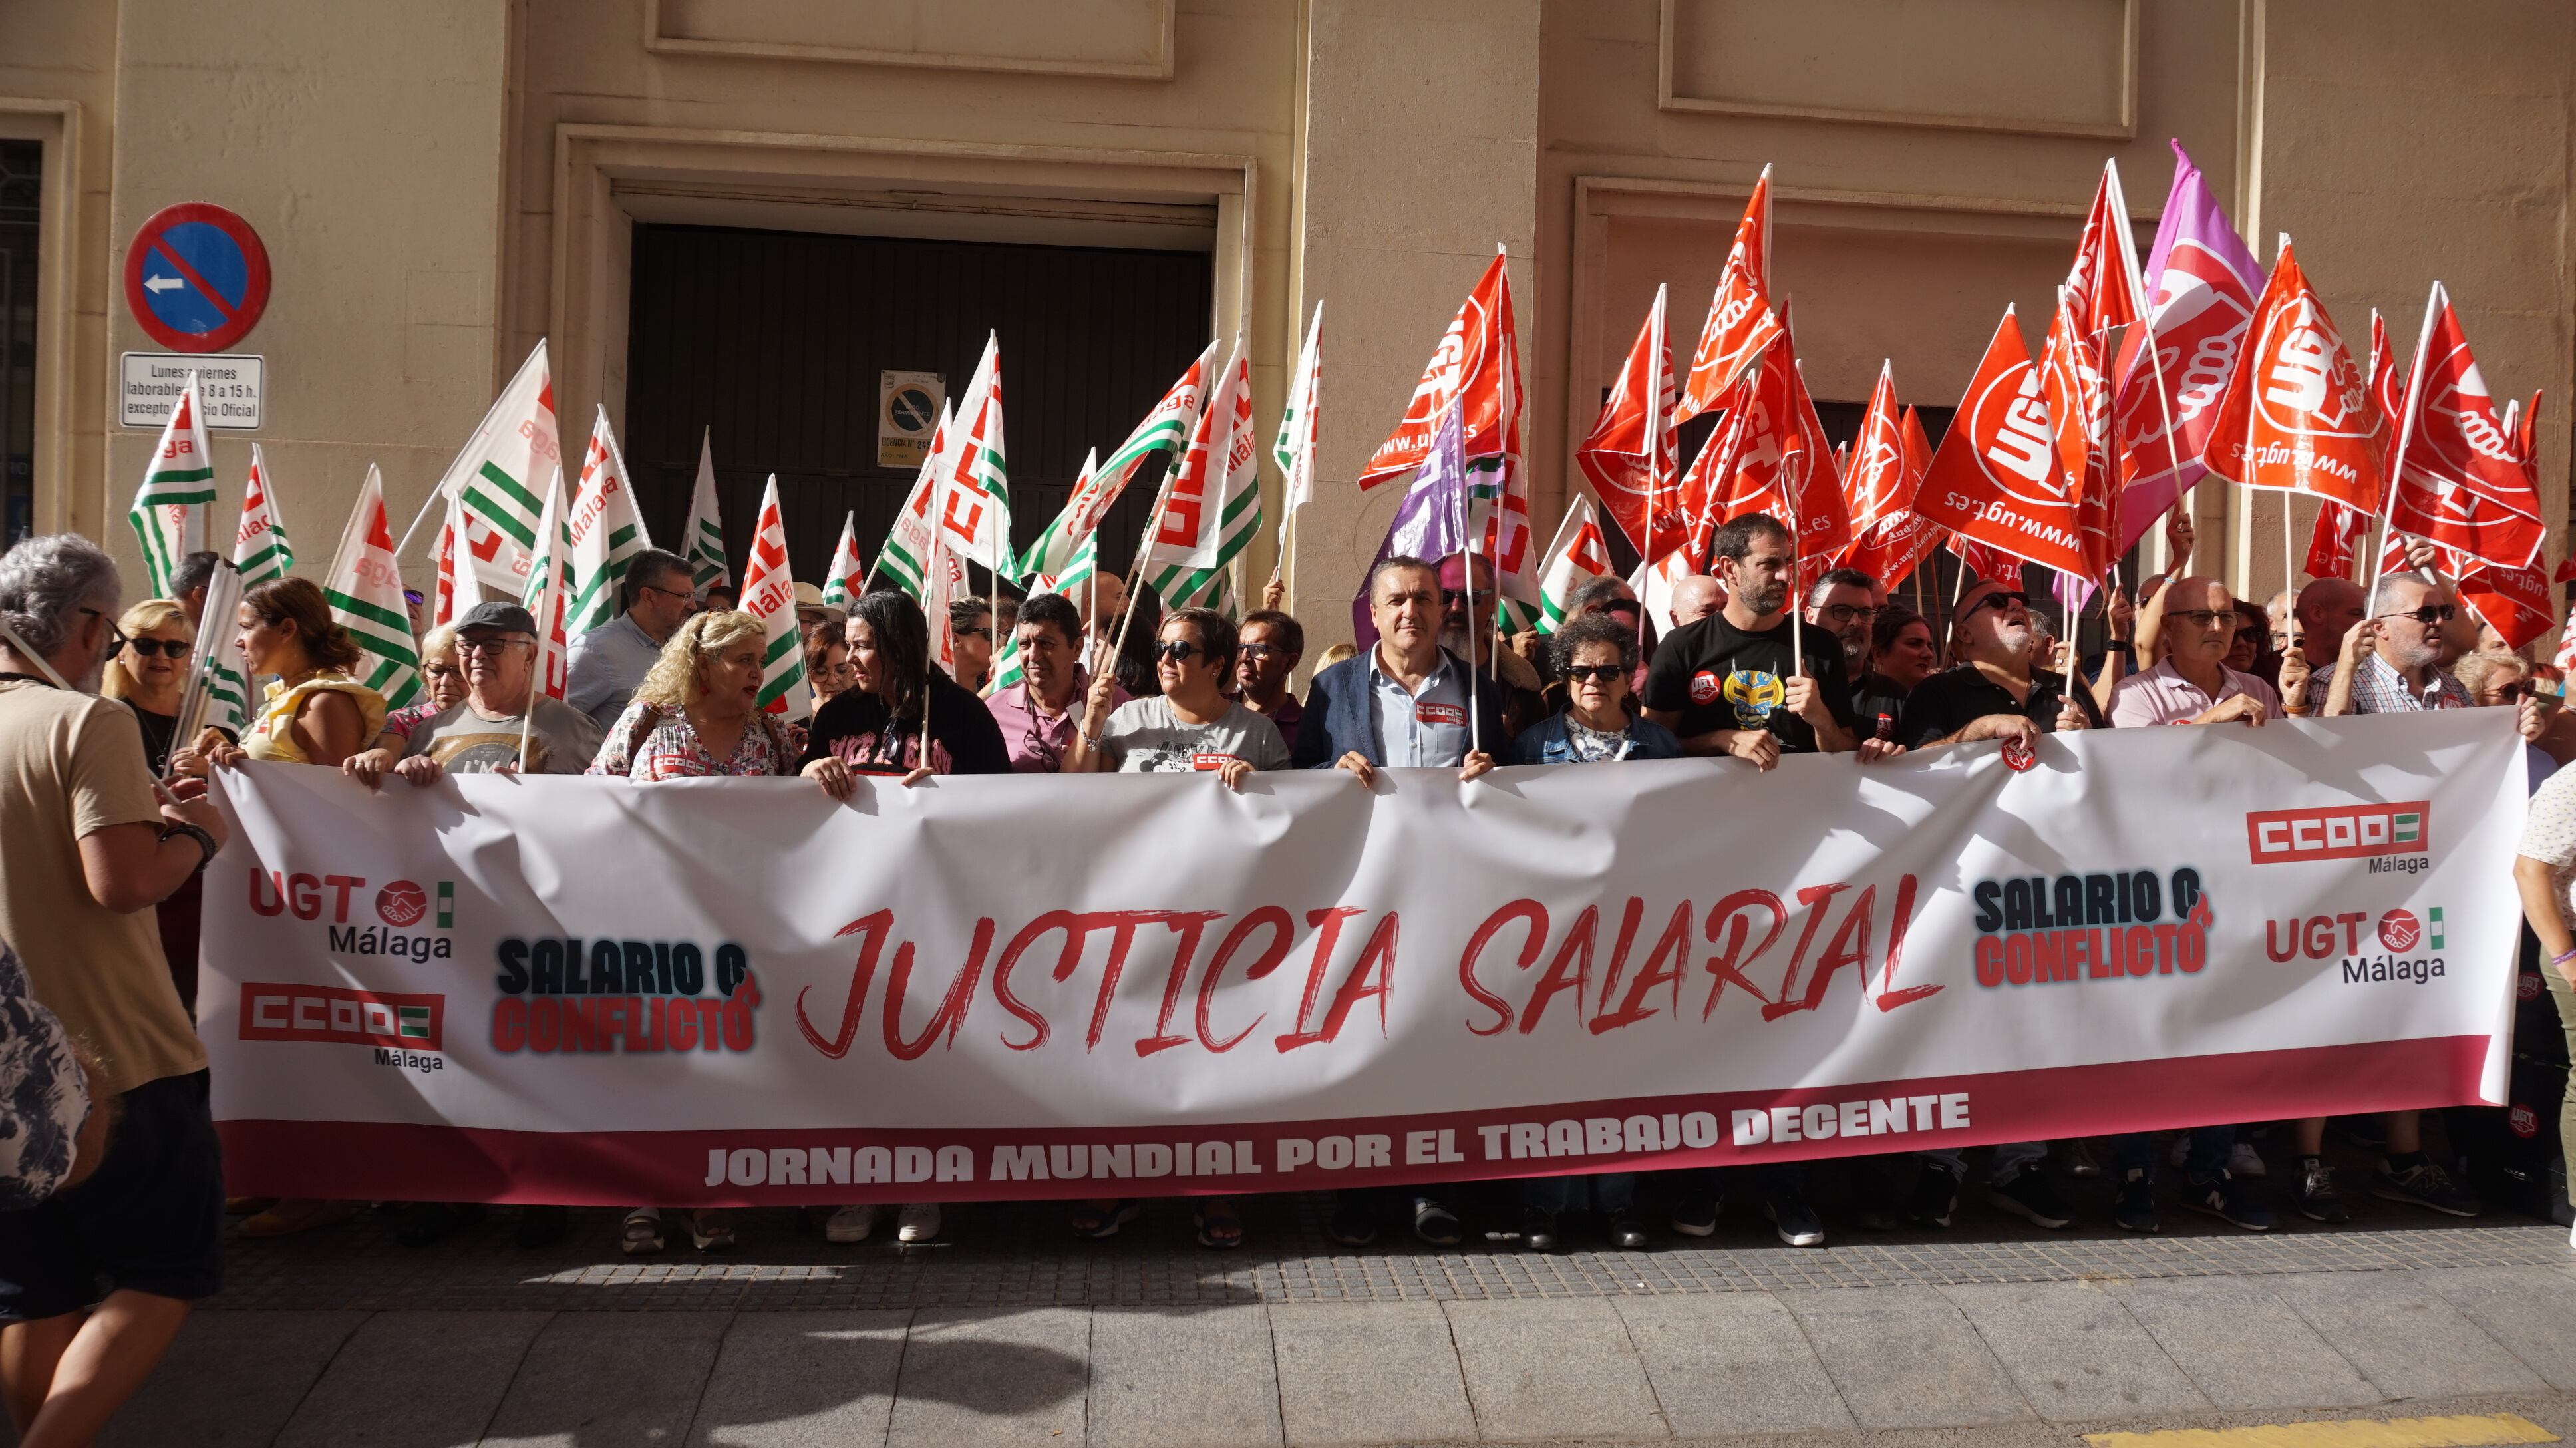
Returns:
(908,406)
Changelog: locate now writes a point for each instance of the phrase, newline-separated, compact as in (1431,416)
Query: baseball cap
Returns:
(507,617)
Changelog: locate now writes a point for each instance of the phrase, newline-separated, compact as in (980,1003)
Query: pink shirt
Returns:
(1037,743)
(2162,696)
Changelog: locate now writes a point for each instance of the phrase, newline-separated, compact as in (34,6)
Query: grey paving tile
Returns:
(1731,1363)
(2074,1351)
(1562,1368)
(2531,1311)
(790,1379)
(231,1377)
(1013,1375)
(1368,1372)
(2405,1337)
(1904,1357)
(441,1374)
(2242,1346)
(593,1378)
(1182,1375)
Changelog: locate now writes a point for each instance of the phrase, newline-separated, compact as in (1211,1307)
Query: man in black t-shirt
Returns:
(1997,690)
(1726,684)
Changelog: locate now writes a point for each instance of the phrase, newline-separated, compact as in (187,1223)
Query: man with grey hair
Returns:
(2390,663)
(610,660)
(1844,603)
(189,581)
(91,845)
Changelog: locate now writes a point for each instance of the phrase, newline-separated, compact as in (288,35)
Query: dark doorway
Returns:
(21,209)
(775,339)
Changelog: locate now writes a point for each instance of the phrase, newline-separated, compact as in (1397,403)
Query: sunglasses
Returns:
(1452,597)
(1594,673)
(1262,651)
(1179,651)
(160,648)
(2517,691)
(2431,613)
(974,633)
(1998,599)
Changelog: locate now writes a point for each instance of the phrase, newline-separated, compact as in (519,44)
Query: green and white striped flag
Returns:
(846,579)
(550,590)
(261,553)
(500,475)
(702,540)
(1165,429)
(1211,505)
(976,512)
(1579,555)
(769,594)
(218,681)
(1295,445)
(179,482)
(606,531)
(366,594)
(906,555)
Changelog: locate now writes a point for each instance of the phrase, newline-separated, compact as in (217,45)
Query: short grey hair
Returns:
(45,581)
(2383,599)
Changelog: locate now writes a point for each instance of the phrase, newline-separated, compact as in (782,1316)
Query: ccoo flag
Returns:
(769,594)
(1166,429)
(499,474)
(458,588)
(975,506)
(906,555)
(261,553)
(365,590)
(179,480)
(702,537)
(1295,445)
(606,531)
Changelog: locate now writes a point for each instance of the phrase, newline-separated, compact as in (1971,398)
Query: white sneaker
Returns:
(918,1222)
(850,1224)
(2244,1162)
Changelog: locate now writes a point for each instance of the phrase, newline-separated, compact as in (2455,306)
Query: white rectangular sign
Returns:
(586,990)
(232,385)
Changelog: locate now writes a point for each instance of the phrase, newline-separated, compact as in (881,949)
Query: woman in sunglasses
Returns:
(1192,725)
(150,672)
(1594,657)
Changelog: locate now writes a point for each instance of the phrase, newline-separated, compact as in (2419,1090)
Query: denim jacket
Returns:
(1546,743)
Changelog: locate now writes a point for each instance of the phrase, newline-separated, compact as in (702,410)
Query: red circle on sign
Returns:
(147,252)
(401,903)
(2398,930)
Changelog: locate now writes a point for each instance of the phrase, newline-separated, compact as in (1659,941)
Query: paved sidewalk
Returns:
(1991,1333)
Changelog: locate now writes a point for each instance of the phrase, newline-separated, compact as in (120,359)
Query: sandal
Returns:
(710,1232)
(1097,1221)
(1219,1224)
(642,1234)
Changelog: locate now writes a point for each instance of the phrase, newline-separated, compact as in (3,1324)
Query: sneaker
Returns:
(2244,1161)
(2424,1185)
(2029,1197)
(1353,1225)
(1538,1229)
(1695,1215)
(1628,1233)
(1936,1196)
(2227,1200)
(2135,1211)
(2317,1200)
(917,1222)
(1436,1224)
(1794,1220)
(850,1224)
(540,1226)
(2075,1159)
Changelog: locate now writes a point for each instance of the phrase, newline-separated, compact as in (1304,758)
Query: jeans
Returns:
(2010,1158)
(1611,1191)
(2210,1148)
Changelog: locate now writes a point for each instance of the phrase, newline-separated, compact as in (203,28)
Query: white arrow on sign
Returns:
(162,284)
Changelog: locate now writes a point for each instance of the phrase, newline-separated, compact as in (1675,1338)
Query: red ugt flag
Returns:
(1996,479)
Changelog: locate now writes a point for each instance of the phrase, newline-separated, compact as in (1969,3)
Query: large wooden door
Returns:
(775,340)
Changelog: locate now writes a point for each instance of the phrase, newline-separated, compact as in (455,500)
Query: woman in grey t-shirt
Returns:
(1193,726)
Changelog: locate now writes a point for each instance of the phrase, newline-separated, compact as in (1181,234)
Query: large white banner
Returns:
(581,990)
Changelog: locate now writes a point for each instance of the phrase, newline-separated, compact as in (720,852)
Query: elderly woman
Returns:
(697,712)
(442,687)
(1595,655)
(316,711)
(151,674)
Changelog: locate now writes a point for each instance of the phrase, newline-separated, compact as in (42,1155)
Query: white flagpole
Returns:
(2433,303)
(418,518)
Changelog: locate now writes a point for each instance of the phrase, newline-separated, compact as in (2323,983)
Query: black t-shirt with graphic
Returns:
(1717,676)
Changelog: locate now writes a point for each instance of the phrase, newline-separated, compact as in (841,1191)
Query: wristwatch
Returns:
(2119,646)
(205,841)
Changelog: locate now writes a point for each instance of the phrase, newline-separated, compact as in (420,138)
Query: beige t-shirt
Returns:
(72,764)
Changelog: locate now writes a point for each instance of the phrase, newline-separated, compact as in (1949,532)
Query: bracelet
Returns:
(205,842)
(2564,956)
(2120,646)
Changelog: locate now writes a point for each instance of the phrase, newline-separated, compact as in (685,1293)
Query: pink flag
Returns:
(2203,283)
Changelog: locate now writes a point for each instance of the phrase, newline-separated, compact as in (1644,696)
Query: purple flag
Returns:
(1431,522)
(2201,283)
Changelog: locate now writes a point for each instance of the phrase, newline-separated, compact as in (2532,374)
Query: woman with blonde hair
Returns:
(697,712)
(442,687)
(150,673)
(315,712)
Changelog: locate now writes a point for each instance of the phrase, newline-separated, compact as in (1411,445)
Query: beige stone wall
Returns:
(441,185)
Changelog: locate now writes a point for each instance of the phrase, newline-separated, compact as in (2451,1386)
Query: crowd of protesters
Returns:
(112,1181)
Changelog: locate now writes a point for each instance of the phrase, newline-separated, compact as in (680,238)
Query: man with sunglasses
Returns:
(1513,678)
(971,621)
(609,661)
(1727,685)
(497,644)
(2391,661)
(1272,645)
(2194,685)
(2000,687)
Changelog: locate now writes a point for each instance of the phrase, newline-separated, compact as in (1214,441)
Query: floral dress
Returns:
(651,743)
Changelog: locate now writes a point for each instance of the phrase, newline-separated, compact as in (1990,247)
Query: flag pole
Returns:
(2405,435)
(1794,453)
(2141,303)
(418,518)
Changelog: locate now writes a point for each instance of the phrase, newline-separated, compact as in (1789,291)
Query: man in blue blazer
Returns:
(1405,703)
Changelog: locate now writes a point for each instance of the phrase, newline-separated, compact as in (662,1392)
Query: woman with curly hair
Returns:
(697,712)
(315,712)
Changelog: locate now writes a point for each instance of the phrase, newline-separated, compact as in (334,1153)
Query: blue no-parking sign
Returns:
(196,277)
